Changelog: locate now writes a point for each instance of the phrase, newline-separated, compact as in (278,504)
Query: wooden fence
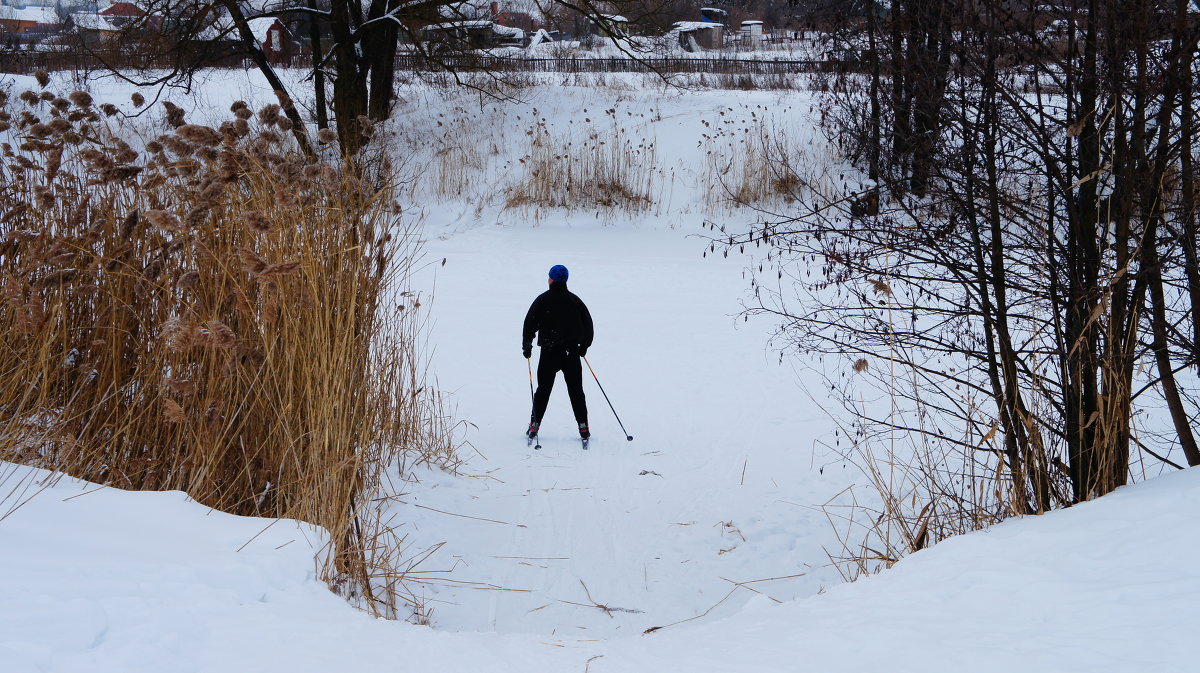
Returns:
(724,66)
(26,62)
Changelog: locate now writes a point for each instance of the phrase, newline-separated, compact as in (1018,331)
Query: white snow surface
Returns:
(102,580)
(718,486)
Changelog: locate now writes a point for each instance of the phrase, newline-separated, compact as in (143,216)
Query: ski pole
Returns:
(532,398)
(610,406)
(529,364)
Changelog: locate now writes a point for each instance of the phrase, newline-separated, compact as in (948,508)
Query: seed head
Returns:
(81,98)
(164,220)
(196,216)
(269,115)
(218,334)
(175,114)
(188,280)
(172,412)
(257,221)
(44,197)
(200,135)
(251,262)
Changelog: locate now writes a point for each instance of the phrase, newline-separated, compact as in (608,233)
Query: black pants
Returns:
(550,362)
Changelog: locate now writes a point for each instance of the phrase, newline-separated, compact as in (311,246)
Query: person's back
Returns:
(564,332)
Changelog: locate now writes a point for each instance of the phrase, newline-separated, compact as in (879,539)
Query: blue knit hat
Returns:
(558,273)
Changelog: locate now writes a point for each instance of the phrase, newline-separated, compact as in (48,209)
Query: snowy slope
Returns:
(106,581)
(95,579)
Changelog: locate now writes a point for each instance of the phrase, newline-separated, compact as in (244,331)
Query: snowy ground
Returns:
(716,483)
(717,488)
(100,580)
(719,484)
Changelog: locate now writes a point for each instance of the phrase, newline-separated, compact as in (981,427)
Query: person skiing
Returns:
(564,328)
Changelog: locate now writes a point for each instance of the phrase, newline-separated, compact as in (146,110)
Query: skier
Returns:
(564,329)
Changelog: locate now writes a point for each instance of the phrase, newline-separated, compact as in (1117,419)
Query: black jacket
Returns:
(560,319)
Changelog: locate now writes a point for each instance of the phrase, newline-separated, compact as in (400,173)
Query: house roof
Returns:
(122,9)
(44,15)
(685,26)
(476,23)
(87,21)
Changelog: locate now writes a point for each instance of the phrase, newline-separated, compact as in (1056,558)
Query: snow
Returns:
(86,21)
(95,579)
(682,528)
(261,28)
(41,15)
(696,25)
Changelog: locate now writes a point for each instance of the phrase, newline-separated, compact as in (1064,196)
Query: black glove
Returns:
(582,351)
(527,351)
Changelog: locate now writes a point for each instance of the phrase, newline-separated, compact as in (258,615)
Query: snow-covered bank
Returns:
(103,581)
(96,579)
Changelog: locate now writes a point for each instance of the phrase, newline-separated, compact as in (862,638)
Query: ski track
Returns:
(641,524)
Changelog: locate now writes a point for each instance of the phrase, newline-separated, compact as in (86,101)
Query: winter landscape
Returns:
(894,354)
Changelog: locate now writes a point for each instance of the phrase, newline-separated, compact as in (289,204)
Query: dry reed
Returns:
(210,313)
(606,170)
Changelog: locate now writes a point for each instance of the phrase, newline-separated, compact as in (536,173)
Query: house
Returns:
(475,34)
(512,19)
(609,25)
(121,13)
(274,38)
(697,35)
(522,20)
(94,29)
(30,20)
(713,15)
(751,34)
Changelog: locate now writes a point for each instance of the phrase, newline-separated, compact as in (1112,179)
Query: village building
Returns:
(29,20)
(475,34)
(120,14)
(751,36)
(697,35)
(274,38)
(93,29)
(610,25)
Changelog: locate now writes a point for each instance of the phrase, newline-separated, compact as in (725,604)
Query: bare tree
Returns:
(1020,260)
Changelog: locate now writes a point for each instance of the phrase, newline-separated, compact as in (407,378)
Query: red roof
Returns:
(122,9)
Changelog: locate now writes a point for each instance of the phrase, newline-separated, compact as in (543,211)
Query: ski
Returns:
(533,441)
(584,441)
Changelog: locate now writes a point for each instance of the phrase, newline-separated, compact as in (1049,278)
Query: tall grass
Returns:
(607,170)
(761,164)
(209,312)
